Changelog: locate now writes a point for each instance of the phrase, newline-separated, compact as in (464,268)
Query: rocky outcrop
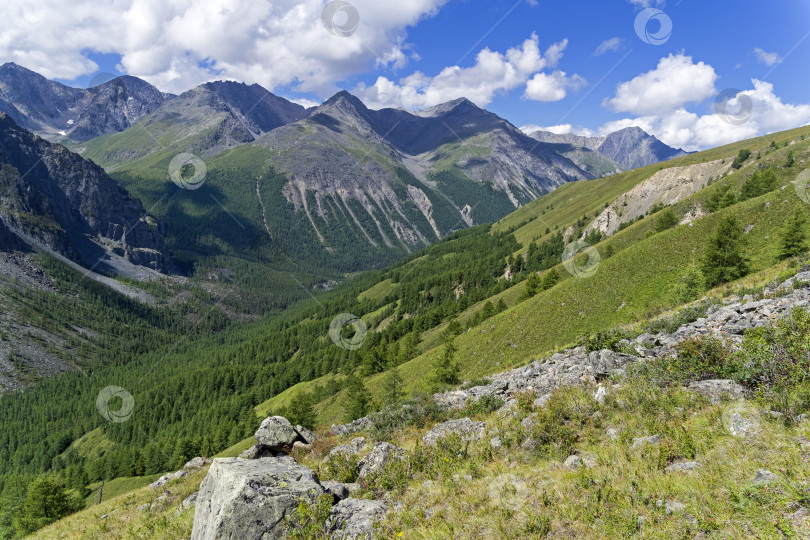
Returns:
(379,458)
(251,499)
(465,428)
(667,187)
(355,518)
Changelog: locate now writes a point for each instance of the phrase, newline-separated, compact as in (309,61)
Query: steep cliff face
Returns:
(58,112)
(54,198)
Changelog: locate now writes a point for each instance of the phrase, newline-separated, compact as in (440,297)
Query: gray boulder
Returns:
(355,518)
(306,435)
(339,490)
(190,501)
(162,481)
(196,463)
(350,448)
(742,426)
(250,499)
(572,463)
(684,466)
(717,390)
(765,476)
(376,461)
(605,362)
(463,427)
(643,441)
(257,451)
(276,433)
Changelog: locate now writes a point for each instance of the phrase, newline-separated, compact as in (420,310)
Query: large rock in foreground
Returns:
(249,499)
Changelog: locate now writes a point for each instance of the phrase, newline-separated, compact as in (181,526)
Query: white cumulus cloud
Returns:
(684,129)
(492,72)
(609,45)
(769,59)
(181,43)
(551,87)
(676,81)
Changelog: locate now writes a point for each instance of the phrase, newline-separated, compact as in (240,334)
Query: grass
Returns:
(515,493)
(118,486)
(119,517)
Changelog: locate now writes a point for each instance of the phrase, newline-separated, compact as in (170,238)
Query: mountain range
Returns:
(361,187)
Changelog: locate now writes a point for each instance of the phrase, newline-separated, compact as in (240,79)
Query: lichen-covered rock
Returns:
(717,390)
(606,362)
(339,490)
(276,433)
(196,463)
(190,501)
(257,451)
(376,461)
(684,466)
(572,463)
(306,435)
(351,448)
(642,441)
(355,518)
(250,499)
(463,427)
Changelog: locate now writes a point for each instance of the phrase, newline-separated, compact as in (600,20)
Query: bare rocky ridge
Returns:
(56,112)
(628,148)
(667,187)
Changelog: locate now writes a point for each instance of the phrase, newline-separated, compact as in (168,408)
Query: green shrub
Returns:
(742,157)
(487,404)
(341,468)
(309,519)
(760,183)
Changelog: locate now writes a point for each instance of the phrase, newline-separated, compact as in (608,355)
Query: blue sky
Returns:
(395,54)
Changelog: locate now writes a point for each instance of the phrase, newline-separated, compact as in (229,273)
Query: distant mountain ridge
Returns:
(629,148)
(63,113)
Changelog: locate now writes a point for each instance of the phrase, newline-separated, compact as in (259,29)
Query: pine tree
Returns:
(551,278)
(301,411)
(393,390)
(724,260)
(359,400)
(532,285)
(46,502)
(794,238)
(445,368)
(666,220)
